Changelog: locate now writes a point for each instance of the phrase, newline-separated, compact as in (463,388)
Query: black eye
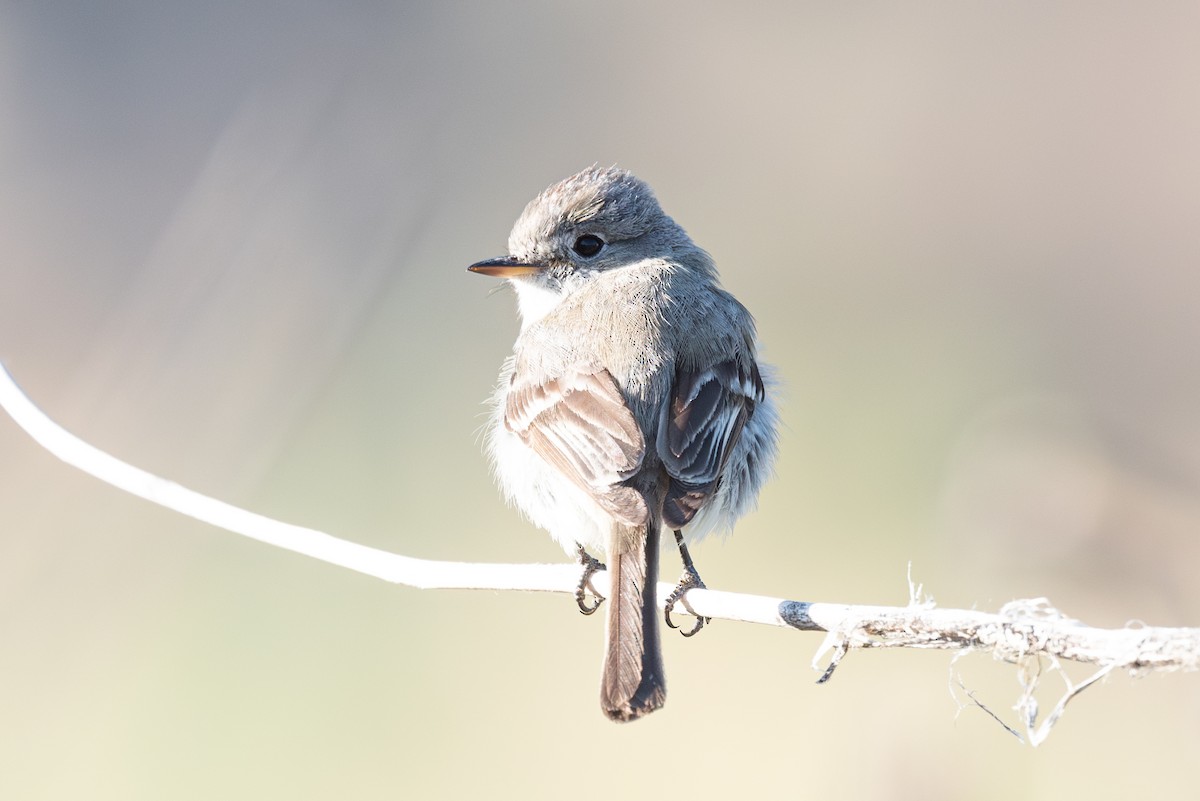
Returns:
(588,245)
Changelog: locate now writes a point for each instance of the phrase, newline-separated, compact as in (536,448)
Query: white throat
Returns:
(534,301)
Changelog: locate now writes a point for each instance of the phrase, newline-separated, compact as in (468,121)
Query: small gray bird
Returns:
(633,400)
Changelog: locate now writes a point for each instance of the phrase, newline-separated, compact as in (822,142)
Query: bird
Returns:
(633,403)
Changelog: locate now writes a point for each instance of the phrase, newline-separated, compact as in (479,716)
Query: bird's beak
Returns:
(505,267)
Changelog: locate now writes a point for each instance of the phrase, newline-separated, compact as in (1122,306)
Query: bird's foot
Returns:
(690,580)
(590,565)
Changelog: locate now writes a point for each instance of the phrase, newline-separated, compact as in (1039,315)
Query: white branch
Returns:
(1021,631)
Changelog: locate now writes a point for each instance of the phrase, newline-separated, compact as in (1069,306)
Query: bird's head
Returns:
(597,220)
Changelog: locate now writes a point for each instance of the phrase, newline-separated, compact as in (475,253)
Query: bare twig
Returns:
(1022,631)
(975,702)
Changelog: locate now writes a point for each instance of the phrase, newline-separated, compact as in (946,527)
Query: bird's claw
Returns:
(590,565)
(688,582)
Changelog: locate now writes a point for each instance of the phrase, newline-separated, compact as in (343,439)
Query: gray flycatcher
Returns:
(633,400)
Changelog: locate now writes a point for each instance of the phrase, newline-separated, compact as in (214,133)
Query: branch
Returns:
(1022,632)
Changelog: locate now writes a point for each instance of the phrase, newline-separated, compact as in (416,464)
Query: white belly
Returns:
(543,495)
(552,502)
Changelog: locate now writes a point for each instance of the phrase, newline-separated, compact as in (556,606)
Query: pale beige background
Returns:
(233,246)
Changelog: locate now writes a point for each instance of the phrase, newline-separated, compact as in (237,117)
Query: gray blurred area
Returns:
(233,252)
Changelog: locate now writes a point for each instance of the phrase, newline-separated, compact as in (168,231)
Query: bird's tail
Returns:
(633,683)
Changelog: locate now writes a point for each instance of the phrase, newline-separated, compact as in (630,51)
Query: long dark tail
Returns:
(633,683)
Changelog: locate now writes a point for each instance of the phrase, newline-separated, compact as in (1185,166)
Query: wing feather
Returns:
(699,427)
(579,424)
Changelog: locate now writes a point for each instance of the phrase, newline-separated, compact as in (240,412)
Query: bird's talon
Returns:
(667,615)
(590,565)
(586,608)
(688,582)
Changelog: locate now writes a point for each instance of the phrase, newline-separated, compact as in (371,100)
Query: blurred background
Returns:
(233,252)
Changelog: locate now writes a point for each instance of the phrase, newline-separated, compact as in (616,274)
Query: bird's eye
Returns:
(588,245)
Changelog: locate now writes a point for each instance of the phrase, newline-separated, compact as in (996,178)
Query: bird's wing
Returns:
(580,425)
(699,427)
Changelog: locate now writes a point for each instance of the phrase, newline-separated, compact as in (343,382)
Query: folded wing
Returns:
(699,427)
(580,425)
